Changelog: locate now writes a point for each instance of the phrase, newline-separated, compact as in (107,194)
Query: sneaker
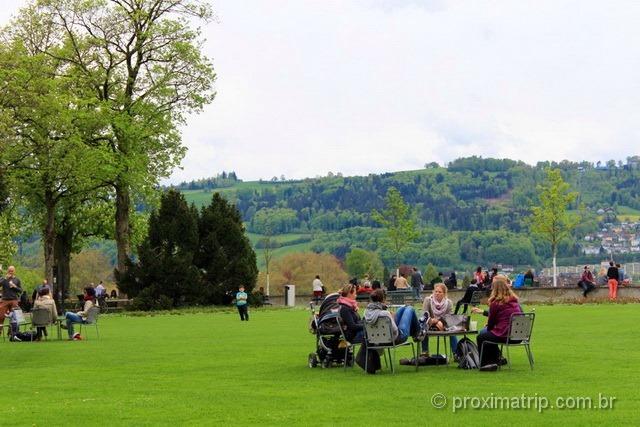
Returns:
(77,337)
(502,361)
(63,326)
(489,368)
(14,338)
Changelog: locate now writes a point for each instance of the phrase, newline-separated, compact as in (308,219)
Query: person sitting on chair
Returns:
(81,316)
(45,301)
(435,307)
(466,299)
(404,325)
(503,303)
(354,331)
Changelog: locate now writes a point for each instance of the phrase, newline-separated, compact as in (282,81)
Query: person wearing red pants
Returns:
(612,275)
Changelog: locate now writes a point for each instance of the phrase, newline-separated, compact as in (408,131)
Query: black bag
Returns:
(25,336)
(456,322)
(467,352)
(373,364)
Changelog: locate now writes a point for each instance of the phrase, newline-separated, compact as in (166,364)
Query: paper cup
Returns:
(473,325)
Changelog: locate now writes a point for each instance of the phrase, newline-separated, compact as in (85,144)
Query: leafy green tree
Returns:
(360,262)
(165,269)
(430,273)
(398,221)
(141,67)
(225,254)
(551,219)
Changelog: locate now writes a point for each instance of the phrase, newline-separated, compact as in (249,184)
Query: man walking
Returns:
(10,292)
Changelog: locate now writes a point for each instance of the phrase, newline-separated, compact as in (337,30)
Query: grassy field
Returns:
(211,369)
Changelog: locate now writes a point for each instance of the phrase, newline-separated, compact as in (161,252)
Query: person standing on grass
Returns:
(241,303)
(317,289)
(11,290)
(612,275)
(416,283)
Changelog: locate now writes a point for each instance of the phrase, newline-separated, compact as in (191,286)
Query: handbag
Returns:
(456,322)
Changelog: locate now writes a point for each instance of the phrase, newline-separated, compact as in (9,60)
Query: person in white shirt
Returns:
(100,290)
(318,289)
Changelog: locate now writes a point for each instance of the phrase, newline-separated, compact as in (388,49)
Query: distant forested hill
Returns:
(472,211)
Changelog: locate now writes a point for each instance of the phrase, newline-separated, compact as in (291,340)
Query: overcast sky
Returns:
(367,86)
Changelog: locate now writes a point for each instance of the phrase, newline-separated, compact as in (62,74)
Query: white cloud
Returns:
(308,87)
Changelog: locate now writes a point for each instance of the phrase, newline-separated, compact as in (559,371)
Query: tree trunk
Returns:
(555,269)
(63,246)
(49,236)
(123,204)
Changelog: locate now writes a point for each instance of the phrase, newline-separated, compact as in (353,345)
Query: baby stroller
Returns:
(325,326)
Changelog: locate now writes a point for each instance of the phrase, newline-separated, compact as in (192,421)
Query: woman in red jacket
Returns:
(503,303)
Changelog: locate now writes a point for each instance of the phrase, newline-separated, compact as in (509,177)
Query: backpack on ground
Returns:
(467,352)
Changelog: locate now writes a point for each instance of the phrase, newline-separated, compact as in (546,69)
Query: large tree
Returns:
(165,266)
(141,62)
(225,255)
(551,219)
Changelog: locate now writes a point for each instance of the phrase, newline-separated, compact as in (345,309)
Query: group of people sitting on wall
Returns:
(612,277)
(405,323)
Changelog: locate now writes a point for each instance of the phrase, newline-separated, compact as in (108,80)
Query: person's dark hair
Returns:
(440,273)
(479,269)
(611,263)
(586,267)
(377,296)
(375,284)
(317,276)
(43,291)
(474,281)
(415,269)
(495,270)
(90,291)
(618,265)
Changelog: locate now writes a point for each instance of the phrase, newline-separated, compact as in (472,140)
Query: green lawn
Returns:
(211,369)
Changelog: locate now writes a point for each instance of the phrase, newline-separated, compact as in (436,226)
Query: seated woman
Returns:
(45,301)
(436,307)
(405,323)
(81,316)
(503,303)
(354,332)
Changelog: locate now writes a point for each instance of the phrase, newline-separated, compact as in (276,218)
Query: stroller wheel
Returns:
(326,363)
(313,360)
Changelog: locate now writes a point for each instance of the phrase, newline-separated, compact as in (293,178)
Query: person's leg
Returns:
(3,312)
(458,304)
(407,322)
(72,318)
(246,312)
(240,312)
(490,352)
(466,307)
(615,289)
(453,340)
(425,345)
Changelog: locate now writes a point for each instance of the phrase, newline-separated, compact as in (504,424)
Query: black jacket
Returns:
(350,319)
(612,273)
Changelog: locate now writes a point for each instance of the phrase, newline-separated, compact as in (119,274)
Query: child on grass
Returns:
(241,303)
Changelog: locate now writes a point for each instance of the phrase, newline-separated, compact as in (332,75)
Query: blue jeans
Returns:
(407,322)
(71,319)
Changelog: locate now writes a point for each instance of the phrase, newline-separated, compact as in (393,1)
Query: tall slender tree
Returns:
(398,222)
(551,219)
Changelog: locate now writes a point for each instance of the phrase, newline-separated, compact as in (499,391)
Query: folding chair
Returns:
(520,330)
(21,321)
(348,345)
(92,319)
(379,336)
(41,318)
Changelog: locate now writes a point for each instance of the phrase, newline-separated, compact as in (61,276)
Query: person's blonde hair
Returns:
(347,289)
(445,290)
(500,291)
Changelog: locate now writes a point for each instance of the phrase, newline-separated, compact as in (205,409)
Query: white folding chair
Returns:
(379,336)
(520,330)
